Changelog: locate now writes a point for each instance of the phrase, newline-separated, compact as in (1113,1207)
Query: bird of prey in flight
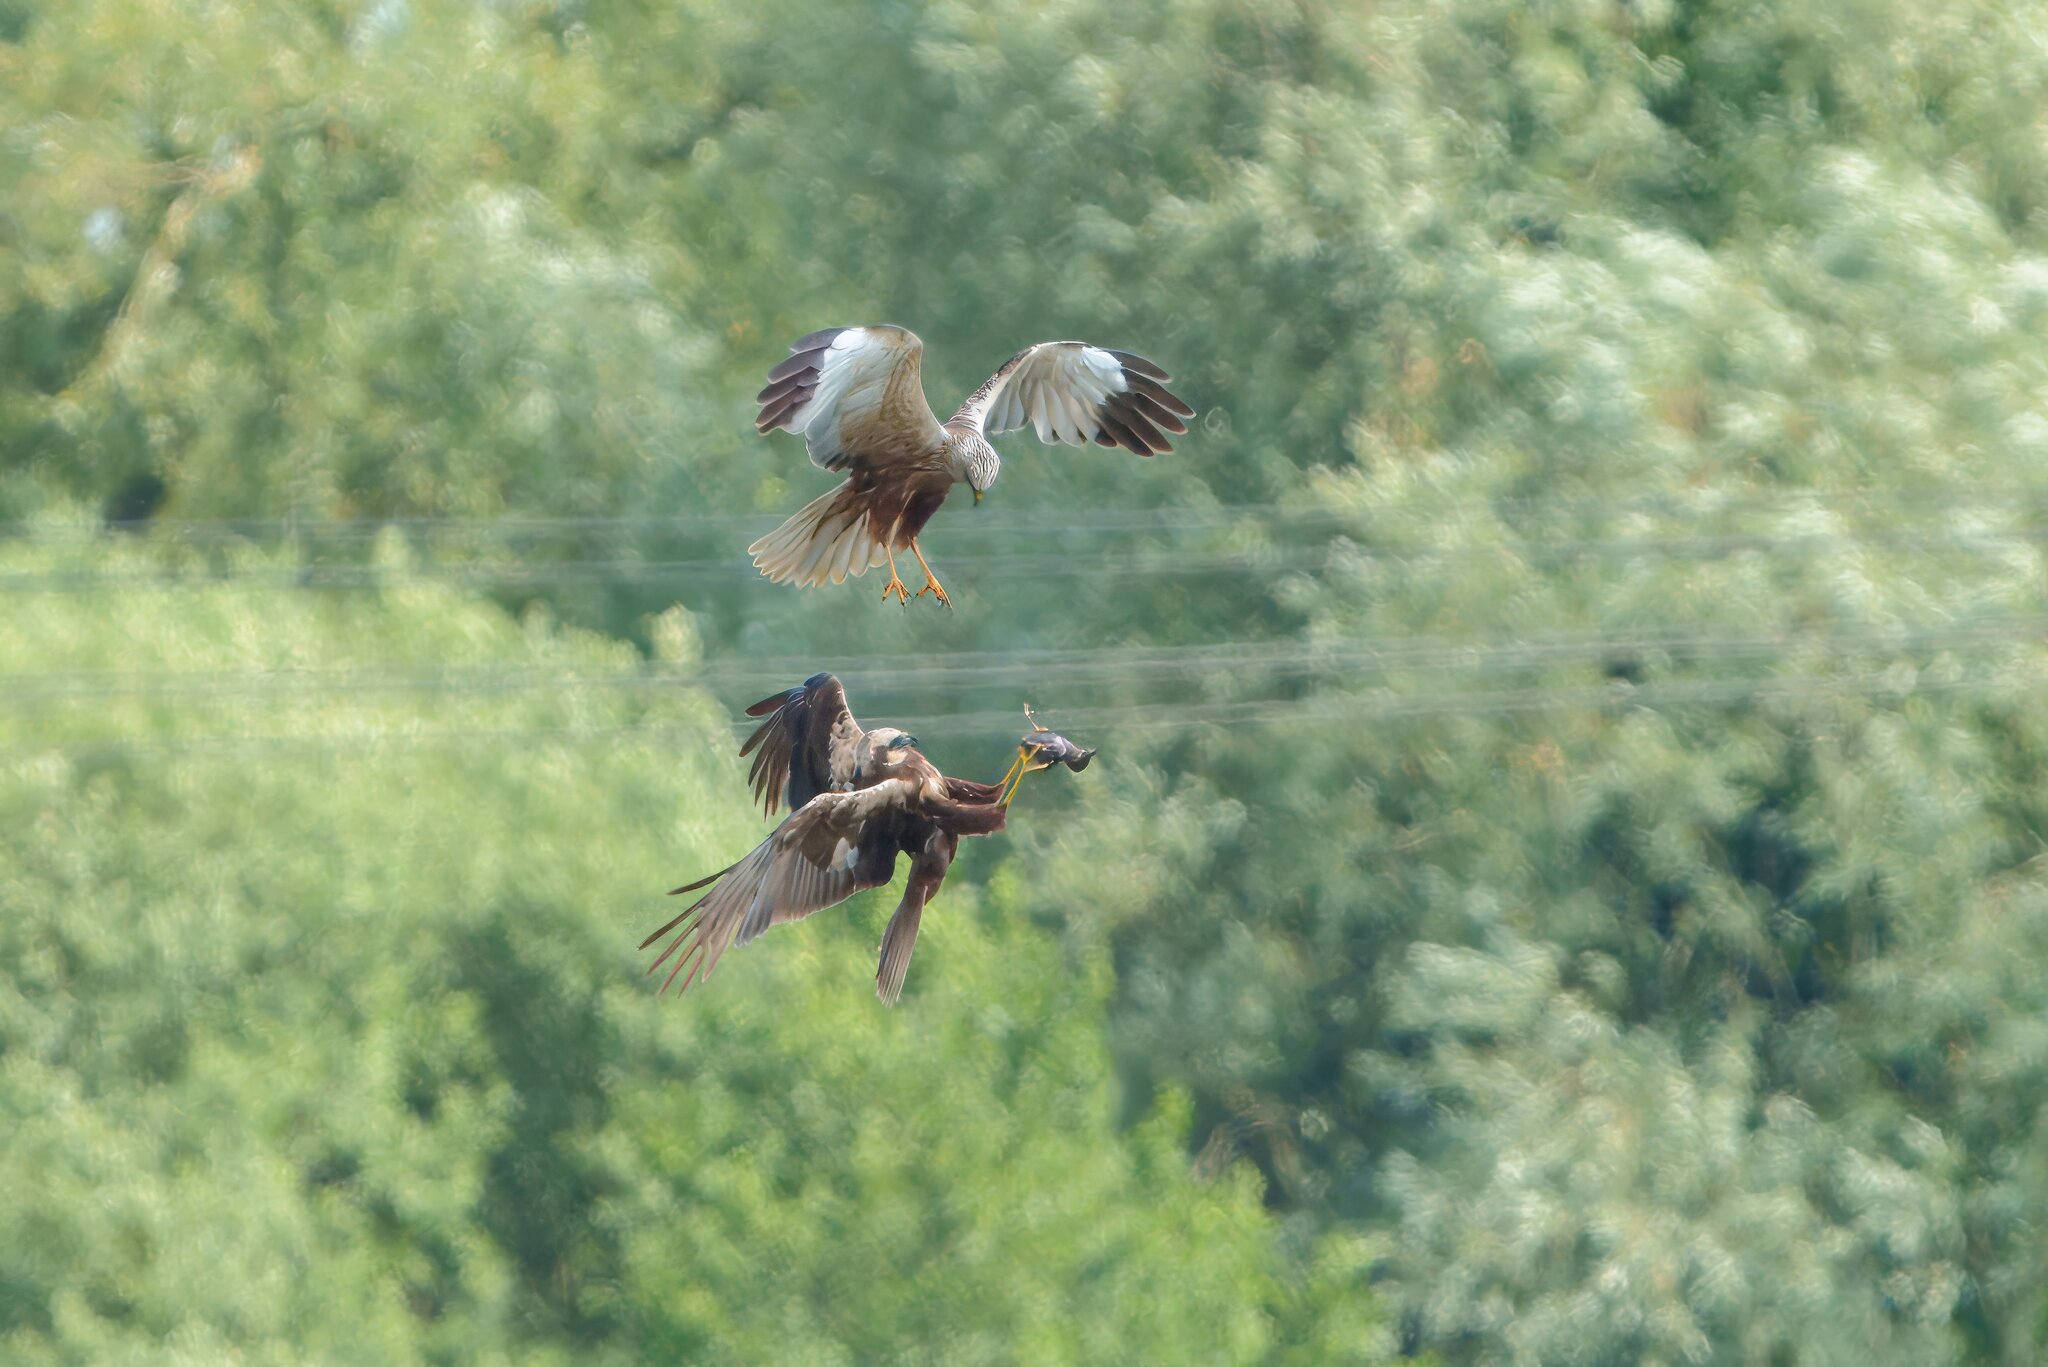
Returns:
(858,798)
(857,397)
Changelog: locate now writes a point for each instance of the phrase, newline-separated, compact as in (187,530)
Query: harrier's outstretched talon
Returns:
(895,584)
(931,581)
(1006,786)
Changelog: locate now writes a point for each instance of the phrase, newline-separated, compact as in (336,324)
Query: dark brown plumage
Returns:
(859,799)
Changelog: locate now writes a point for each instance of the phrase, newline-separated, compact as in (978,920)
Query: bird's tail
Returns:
(898,941)
(827,540)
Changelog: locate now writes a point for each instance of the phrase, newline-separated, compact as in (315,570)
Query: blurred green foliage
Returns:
(1563,882)
(325,1038)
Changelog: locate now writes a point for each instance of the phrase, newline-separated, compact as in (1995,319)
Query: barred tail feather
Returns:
(828,540)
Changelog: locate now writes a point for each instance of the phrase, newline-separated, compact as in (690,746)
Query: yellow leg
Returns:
(1022,767)
(931,581)
(1003,783)
(895,584)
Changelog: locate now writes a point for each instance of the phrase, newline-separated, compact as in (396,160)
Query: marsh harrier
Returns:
(858,798)
(857,397)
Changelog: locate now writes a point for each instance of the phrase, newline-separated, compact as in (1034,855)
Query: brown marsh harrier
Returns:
(856,396)
(858,798)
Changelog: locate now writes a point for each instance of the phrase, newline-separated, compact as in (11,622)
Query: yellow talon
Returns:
(1015,777)
(1003,783)
(895,584)
(931,581)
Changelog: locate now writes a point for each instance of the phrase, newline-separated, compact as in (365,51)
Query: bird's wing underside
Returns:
(834,846)
(856,395)
(810,744)
(1074,393)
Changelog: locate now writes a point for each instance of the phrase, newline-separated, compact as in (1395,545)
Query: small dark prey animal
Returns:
(1041,748)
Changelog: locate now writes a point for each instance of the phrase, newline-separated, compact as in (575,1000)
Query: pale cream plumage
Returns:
(856,396)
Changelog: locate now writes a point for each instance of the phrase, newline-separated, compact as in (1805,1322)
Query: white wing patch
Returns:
(1072,393)
(852,382)
(854,394)
(1053,389)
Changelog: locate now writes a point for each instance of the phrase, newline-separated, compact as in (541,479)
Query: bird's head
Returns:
(978,466)
(890,749)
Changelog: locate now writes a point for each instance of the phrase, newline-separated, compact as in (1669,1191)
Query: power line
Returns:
(1690,503)
(1094,724)
(735,569)
(982,669)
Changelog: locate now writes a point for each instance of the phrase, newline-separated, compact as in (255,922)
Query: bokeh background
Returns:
(1564,882)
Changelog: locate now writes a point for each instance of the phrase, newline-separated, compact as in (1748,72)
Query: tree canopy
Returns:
(1563,881)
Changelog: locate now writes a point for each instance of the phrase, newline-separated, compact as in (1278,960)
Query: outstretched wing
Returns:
(856,395)
(834,846)
(1075,393)
(810,744)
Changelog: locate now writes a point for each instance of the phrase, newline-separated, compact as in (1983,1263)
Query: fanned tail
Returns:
(828,540)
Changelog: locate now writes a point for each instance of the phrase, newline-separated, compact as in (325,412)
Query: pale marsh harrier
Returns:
(857,397)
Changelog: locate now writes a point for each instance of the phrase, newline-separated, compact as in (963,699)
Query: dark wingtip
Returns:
(1155,412)
(773,701)
(707,878)
(795,365)
(673,922)
(1162,396)
(811,341)
(1112,421)
(1137,364)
